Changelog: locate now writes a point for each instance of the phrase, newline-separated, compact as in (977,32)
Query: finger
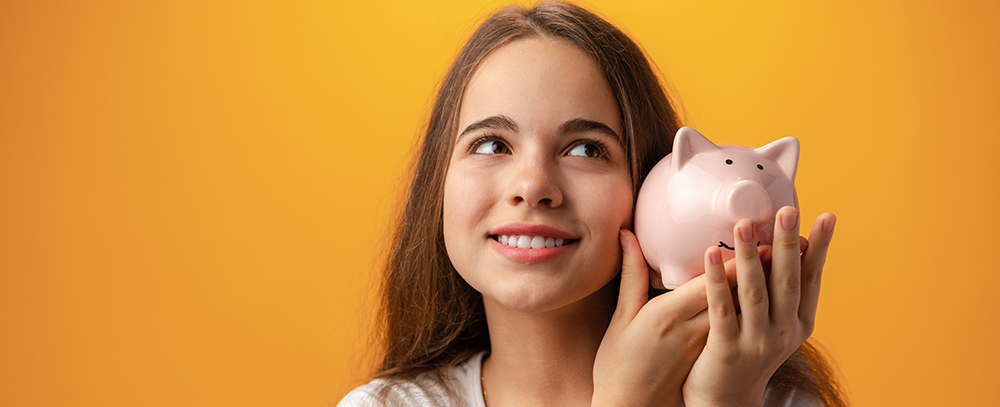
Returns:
(752,287)
(683,302)
(721,310)
(690,299)
(786,265)
(812,264)
(634,291)
(694,333)
(698,328)
(765,256)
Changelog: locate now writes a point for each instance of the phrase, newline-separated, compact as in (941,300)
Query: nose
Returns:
(745,199)
(535,182)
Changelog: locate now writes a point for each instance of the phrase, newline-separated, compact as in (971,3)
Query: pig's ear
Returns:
(785,152)
(687,143)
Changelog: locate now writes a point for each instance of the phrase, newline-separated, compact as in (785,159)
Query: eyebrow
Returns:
(570,126)
(584,125)
(492,122)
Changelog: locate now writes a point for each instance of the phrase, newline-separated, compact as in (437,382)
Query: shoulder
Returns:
(459,388)
(379,392)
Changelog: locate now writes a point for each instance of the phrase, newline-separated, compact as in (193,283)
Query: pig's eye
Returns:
(760,167)
(729,162)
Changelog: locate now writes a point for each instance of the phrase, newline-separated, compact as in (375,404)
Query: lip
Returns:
(532,230)
(532,255)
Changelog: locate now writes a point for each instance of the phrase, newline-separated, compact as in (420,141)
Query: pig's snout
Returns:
(745,199)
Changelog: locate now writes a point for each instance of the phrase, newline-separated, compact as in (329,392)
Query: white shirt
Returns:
(427,391)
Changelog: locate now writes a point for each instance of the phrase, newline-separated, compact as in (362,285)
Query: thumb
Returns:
(635,277)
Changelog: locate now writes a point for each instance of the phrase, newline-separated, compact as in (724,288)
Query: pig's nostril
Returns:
(746,199)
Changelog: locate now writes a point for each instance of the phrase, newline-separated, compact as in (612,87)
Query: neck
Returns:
(546,358)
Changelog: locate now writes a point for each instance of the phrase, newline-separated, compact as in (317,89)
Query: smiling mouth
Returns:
(531,242)
(723,244)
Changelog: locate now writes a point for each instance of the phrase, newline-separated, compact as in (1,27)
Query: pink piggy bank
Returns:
(694,196)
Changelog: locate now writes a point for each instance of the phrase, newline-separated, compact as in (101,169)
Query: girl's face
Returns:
(538,184)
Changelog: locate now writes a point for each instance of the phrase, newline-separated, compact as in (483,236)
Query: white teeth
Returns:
(524,242)
(512,241)
(537,242)
(530,242)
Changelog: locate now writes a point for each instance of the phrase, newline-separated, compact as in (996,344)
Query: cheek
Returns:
(452,218)
(451,209)
(608,208)
(608,216)
(616,206)
(466,201)
(626,207)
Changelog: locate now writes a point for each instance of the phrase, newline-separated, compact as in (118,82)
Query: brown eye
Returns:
(589,150)
(492,147)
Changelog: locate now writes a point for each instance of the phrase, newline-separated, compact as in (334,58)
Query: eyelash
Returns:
(601,146)
(482,139)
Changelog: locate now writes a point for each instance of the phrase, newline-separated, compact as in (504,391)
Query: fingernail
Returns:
(623,240)
(746,233)
(788,220)
(828,224)
(715,257)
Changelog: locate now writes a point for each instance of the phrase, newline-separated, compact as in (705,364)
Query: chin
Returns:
(531,303)
(538,297)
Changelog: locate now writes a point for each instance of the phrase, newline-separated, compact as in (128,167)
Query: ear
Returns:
(785,152)
(687,143)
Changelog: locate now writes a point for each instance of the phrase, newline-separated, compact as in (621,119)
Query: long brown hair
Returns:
(430,318)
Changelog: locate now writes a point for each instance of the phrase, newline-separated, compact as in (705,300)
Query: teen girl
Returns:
(513,278)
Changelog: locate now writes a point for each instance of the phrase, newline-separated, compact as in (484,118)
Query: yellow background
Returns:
(193,194)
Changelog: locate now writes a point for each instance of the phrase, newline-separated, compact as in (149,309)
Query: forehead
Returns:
(539,83)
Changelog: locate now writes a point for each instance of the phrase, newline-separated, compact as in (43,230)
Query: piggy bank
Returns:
(692,199)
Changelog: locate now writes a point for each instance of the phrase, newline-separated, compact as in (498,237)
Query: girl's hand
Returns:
(651,344)
(777,315)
